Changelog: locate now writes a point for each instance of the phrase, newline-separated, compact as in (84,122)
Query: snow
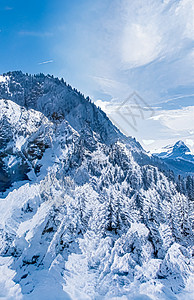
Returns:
(3,78)
(94,218)
(9,290)
(20,142)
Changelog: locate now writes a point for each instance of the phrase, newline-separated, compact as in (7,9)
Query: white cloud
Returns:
(46,62)
(166,127)
(185,14)
(179,120)
(155,29)
(140,45)
(145,45)
(189,142)
(113,87)
(104,105)
(175,98)
(35,33)
(148,142)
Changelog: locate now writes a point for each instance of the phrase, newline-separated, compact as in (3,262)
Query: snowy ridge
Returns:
(179,149)
(178,157)
(56,100)
(91,218)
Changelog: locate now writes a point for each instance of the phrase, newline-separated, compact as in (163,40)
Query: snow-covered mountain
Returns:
(85,213)
(178,157)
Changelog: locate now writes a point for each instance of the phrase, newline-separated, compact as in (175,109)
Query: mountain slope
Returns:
(56,100)
(24,137)
(91,219)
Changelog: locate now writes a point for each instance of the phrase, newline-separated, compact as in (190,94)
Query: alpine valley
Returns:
(86,212)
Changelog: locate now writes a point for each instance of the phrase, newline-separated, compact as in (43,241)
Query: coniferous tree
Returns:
(190,187)
(180,185)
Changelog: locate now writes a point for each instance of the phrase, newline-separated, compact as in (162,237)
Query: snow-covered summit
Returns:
(57,100)
(178,156)
(179,149)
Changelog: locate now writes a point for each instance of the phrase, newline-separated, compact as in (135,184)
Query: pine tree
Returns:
(190,187)
(180,185)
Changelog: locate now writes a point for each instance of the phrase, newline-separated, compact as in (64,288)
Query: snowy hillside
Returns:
(84,213)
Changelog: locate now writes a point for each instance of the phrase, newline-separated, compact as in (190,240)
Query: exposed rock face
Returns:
(24,137)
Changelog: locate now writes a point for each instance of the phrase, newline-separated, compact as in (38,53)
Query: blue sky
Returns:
(108,49)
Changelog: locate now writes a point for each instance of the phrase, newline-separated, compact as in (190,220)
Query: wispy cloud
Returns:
(46,62)
(106,106)
(8,8)
(145,45)
(35,33)
(175,98)
(112,87)
(171,125)
(178,120)
(155,30)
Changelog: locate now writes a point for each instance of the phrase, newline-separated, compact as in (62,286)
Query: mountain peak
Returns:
(176,150)
(57,100)
(178,157)
(180,147)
